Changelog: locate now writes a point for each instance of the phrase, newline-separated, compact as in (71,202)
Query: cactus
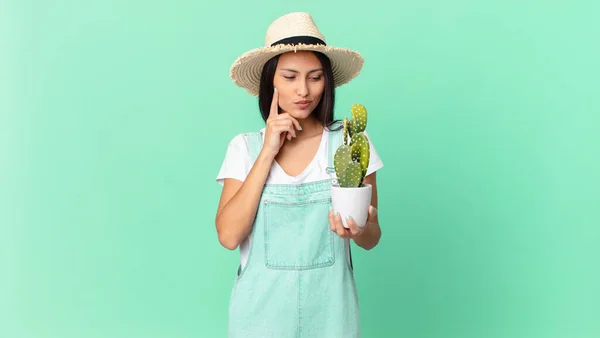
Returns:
(346,130)
(361,151)
(350,128)
(359,114)
(351,159)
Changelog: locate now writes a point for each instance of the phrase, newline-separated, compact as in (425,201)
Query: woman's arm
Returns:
(239,202)
(369,238)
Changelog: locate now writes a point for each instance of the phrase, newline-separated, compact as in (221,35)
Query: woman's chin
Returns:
(301,114)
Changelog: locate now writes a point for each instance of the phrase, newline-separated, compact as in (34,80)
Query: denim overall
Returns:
(297,281)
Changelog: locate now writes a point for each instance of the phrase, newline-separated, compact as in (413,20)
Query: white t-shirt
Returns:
(237,164)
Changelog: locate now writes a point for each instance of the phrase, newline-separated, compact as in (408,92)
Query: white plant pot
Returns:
(352,201)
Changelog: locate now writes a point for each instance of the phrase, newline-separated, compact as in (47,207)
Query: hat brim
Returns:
(246,70)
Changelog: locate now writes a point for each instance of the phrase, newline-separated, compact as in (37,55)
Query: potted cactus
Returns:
(350,196)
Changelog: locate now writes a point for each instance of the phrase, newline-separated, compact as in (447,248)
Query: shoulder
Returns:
(237,147)
(238,140)
(236,163)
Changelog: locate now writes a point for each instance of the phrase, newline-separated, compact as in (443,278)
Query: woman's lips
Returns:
(302,104)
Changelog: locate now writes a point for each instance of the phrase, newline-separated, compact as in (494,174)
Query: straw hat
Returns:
(293,32)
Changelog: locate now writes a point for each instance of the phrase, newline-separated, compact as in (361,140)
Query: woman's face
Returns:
(300,82)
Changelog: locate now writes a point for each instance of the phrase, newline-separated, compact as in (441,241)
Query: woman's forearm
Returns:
(235,219)
(370,237)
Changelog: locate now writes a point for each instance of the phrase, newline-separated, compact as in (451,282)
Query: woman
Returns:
(295,277)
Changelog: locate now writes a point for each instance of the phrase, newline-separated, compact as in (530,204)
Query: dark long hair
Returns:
(324,110)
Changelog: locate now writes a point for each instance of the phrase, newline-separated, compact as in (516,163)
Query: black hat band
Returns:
(294,40)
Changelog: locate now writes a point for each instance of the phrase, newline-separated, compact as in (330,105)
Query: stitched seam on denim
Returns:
(282,189)
(297,203)
(296,192)
(299,305)
(266,235)
(330,262)
(298,200)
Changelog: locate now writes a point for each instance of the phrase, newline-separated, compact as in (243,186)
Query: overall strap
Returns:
(255,143)
(335,140)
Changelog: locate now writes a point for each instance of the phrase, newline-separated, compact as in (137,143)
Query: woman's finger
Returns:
(286,131)
(287,116)
(339,226)
(372,214)
(285,125)
(274,105)
(353,227)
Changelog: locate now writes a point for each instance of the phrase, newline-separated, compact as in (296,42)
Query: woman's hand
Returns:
(279,127)
(336,225)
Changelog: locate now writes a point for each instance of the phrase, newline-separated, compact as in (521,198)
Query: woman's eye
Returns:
(315,78)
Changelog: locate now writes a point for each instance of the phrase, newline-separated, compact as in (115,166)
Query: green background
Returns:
(115,117)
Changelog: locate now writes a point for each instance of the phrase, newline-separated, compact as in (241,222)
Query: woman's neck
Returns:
(310,127)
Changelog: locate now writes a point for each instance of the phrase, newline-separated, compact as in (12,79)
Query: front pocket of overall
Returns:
(297,235)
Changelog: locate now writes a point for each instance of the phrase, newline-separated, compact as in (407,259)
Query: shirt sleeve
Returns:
(375,162)
(236,163)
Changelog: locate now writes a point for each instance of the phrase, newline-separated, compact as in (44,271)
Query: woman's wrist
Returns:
(267,155)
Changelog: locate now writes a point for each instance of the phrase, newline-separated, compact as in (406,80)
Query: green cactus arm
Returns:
(341,160)
(360,150)
(359,115)
(354,176)
(345,130)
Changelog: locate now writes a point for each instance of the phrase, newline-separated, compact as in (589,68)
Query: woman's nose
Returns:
(302,88)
